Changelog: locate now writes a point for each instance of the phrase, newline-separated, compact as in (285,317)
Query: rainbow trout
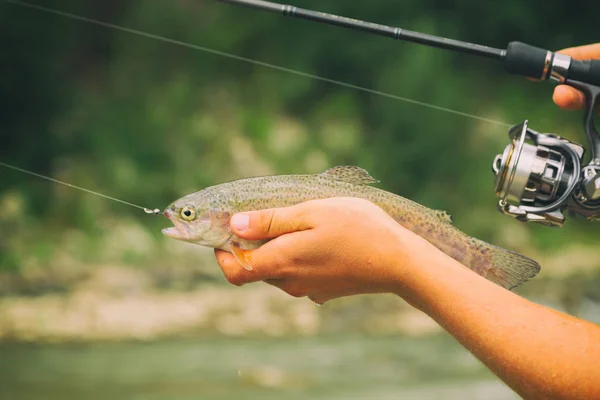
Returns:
(203,218)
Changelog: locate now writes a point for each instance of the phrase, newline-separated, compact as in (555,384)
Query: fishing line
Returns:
(156,211)
(248,60)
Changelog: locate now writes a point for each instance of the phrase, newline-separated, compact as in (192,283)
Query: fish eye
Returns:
(188,213)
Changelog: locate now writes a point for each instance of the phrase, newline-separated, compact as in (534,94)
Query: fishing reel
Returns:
(539,175)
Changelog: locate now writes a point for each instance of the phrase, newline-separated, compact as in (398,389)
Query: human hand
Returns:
(566,96)
(325,249)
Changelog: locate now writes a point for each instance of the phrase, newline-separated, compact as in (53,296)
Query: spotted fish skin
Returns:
(215,205)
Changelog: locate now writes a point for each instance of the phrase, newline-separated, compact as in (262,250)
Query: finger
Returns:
(270,261)
(590,51)
(285,256)
(568,98)
(270,223)
(235,273)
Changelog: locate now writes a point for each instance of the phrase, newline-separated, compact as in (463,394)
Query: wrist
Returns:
(410,253)
(418,266)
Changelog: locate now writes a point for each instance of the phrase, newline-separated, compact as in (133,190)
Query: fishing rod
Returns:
(539,175)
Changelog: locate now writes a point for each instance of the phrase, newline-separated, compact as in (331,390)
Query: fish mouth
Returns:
(178,231)
(173,232)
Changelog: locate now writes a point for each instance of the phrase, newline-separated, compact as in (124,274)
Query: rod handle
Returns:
(534,62)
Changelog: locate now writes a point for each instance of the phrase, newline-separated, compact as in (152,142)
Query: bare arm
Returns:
(339,247)
(539,352)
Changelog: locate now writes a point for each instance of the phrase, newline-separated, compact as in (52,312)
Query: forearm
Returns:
(537,351)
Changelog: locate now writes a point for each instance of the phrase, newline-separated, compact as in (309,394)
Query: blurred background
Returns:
(95,302)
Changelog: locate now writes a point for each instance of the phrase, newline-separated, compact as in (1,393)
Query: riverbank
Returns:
(108,306)
(183,294)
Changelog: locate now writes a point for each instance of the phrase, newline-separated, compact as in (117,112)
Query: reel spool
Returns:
(539,175)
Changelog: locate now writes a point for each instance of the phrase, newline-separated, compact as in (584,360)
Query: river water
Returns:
(352,367)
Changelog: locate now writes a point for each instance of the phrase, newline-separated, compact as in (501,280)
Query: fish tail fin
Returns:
(501,266)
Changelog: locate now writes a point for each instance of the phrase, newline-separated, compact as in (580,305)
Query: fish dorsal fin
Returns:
(349,174)
(443,216)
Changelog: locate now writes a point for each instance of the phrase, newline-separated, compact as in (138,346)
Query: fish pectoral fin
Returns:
(349,174)
(244,257)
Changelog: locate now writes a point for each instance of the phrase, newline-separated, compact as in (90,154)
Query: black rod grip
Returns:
(524,59)
(587,71)
(534,62)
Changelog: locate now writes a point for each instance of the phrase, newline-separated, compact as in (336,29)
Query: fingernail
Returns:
(240,222)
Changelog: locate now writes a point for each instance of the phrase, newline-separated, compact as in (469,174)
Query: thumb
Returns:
(270,223)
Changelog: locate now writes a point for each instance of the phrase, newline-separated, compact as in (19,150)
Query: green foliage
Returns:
(149,121)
